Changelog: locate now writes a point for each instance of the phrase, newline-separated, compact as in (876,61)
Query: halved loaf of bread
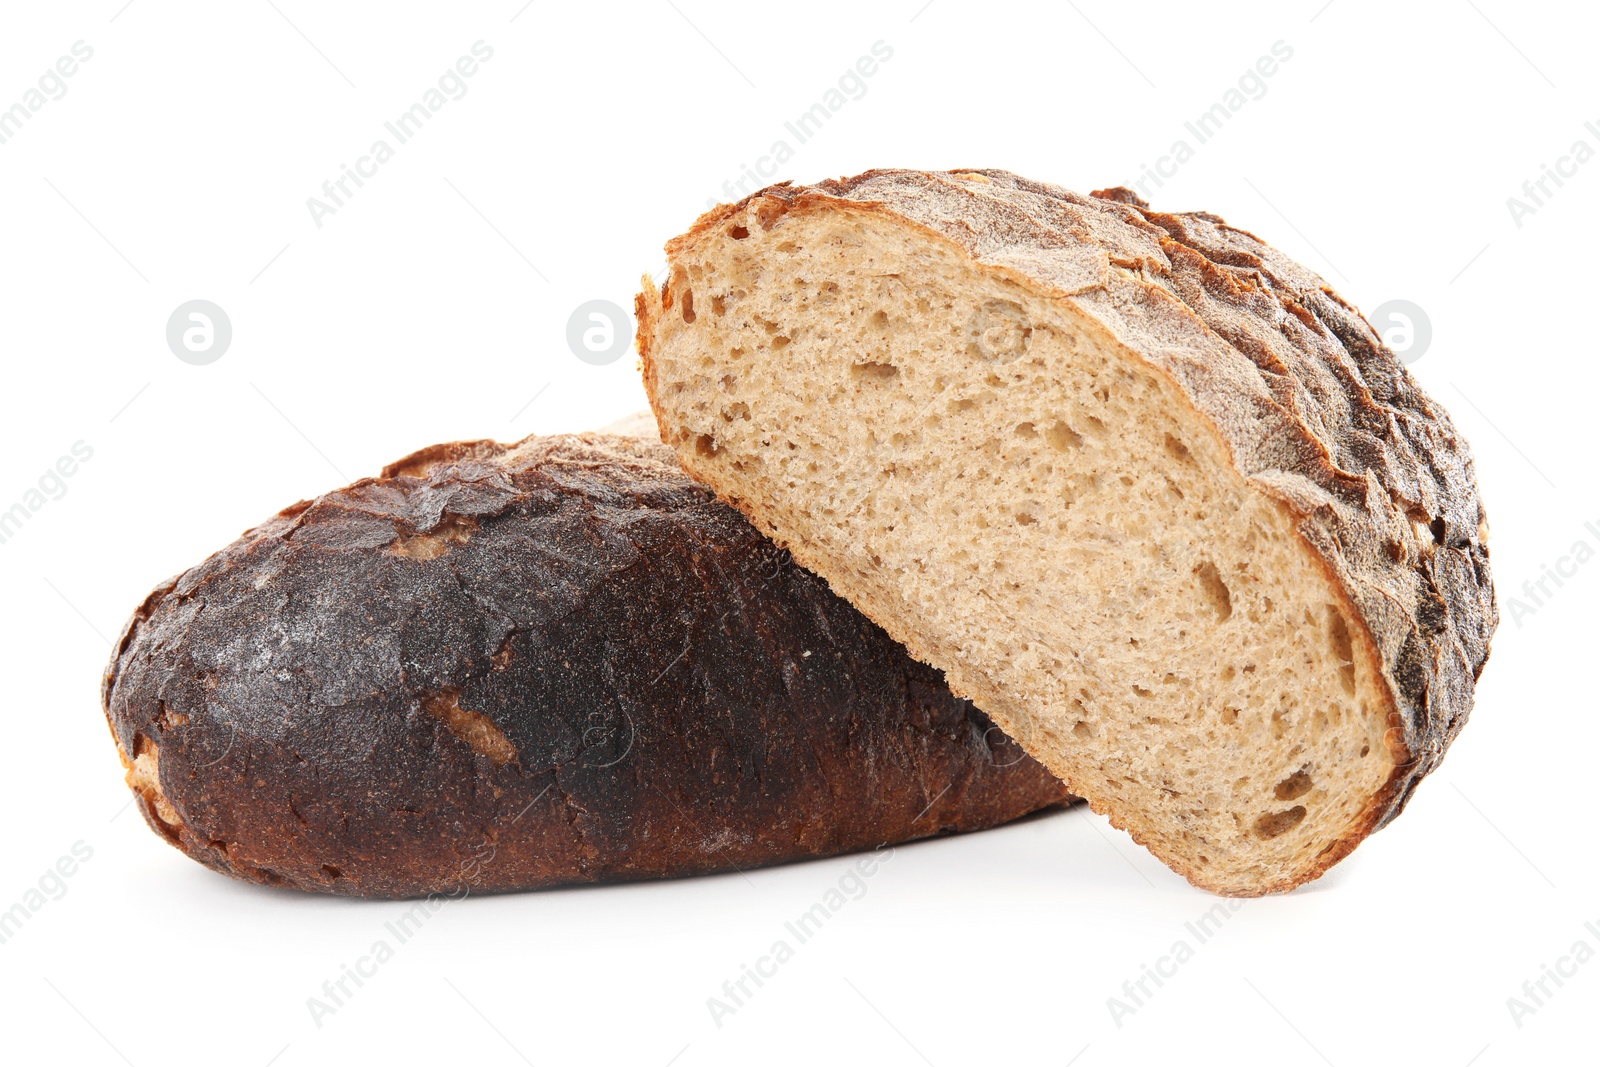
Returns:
(1149,492)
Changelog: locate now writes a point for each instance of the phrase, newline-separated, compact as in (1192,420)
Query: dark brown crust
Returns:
(681,697)
(1317,412)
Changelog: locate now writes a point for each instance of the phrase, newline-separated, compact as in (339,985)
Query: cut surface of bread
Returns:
(1147,491)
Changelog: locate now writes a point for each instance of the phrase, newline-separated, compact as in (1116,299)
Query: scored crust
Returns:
(1308,406)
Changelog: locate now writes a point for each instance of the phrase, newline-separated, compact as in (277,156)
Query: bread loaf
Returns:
(499,668)
(1149,492)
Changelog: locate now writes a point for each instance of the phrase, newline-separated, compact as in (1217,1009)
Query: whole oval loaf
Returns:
(506,667)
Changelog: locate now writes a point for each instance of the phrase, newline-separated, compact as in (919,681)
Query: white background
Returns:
(433,306)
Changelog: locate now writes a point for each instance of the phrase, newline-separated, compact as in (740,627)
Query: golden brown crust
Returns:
(503,667)
(1316,411)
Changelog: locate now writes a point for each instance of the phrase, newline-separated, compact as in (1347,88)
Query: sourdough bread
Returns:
(499,668)
(1149,492)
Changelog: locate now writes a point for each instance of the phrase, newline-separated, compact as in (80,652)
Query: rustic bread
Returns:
(1149,492)
(499,667)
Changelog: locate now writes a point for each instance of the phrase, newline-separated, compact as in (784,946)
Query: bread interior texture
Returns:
(1026,503)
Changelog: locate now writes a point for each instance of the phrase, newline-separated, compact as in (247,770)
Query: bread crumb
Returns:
(144,777)
(452,529)
(474,727)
